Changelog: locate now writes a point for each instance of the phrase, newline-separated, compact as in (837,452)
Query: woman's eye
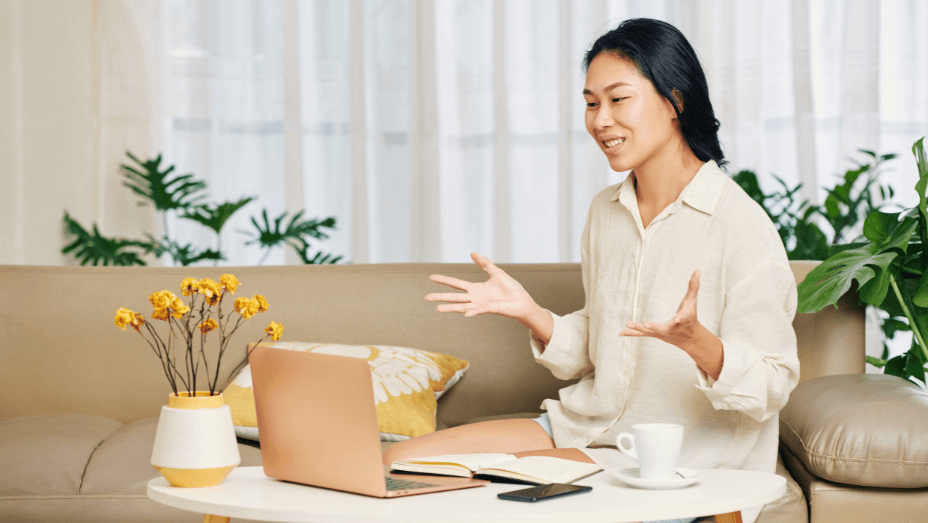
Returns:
(616,100)
(591,104)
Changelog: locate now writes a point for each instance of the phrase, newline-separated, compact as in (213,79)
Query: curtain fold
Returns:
(429,129)
(424,236)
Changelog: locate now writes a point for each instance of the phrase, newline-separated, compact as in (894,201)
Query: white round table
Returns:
(247,493)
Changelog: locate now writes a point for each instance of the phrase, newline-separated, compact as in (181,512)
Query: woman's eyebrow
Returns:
(608,87)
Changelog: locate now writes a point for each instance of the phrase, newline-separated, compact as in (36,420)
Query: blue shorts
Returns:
(545,423)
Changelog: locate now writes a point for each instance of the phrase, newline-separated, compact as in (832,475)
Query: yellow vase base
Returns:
(195,478)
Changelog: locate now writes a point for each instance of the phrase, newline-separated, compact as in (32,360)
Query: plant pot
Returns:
(195,443)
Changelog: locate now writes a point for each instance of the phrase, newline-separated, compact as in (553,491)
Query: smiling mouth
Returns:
(612,143)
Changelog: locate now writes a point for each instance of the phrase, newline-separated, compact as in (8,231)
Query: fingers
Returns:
(484,262)
(694,284)
(455,307)
(654,330)
(468,309)
(451,282)
(453,297)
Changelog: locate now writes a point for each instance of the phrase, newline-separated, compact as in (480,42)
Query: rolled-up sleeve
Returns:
(760,363)
(566,355)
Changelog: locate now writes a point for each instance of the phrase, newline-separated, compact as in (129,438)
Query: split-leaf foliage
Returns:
(889,264)
(161,188)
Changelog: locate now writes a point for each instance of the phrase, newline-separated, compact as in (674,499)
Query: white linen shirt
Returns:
(747,297)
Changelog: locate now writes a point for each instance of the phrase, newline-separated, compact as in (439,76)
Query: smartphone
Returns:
(542,492)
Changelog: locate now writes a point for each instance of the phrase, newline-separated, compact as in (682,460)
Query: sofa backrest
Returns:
(62,353)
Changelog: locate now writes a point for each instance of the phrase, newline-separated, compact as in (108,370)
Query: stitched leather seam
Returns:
(79,487)
(837,458)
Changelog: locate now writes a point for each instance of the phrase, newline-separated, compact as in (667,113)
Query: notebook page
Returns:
(551,470)
(473,462)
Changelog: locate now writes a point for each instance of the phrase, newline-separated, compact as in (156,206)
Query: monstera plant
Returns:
(890,266)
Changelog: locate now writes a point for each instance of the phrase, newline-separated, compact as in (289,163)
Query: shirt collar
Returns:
(702,193)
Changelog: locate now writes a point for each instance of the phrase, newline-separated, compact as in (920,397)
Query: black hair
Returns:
(664,56)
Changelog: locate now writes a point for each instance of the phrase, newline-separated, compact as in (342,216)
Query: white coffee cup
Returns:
(656,446)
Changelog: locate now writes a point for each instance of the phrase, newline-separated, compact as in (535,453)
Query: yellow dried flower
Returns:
(208,325)
(213,300)
(161,299)
(274,330)
(247,307)
(179,308)
(230,282)
(208,288)
(161,314)
(262,303)
(188,286)
(124,317)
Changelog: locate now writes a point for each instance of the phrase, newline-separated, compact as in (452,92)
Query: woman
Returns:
(677,229)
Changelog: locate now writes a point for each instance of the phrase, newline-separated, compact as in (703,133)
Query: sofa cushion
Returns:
(859,429)
(407,385)
(47,454)
(840,503)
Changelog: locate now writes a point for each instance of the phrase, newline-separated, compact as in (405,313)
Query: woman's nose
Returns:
(602,119)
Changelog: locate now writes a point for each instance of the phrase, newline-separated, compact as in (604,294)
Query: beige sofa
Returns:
(79,398)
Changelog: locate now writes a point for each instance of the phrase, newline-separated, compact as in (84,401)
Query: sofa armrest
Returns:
(868,430)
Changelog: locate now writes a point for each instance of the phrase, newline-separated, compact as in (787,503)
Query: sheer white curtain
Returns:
(431,129)
(428,128)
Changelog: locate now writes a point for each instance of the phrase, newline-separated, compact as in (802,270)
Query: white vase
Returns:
(195,444)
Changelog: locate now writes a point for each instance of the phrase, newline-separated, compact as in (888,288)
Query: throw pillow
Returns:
(407,384)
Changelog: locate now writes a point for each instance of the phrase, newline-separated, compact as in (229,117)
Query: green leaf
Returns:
(918,149)
(95,249)
(874,291)
(215,217)
(318,259)
(159,188)
(921,294)
(827,282)
(185,255)
(914,366)
(294,234)
(896,366)
(893,325)
(811,242)
(888,232)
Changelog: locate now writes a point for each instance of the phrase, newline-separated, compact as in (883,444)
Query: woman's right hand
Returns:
(501,294)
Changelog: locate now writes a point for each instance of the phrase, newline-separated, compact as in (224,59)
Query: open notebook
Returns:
(537,470)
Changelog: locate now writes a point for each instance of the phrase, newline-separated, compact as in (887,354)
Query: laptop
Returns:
(318,426)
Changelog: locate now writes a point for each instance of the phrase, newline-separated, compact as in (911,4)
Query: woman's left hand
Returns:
(681,330)
(685,332)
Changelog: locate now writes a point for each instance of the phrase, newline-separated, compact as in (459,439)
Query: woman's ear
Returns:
(678,97)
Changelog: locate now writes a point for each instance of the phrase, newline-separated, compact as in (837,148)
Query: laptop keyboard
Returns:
(403,484)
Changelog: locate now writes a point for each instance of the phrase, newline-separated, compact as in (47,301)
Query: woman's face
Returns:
(628,118)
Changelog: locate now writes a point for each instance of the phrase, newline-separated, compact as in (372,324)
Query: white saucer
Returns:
(631,478)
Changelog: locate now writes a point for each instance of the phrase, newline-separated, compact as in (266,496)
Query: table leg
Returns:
(731,517)
(209,518)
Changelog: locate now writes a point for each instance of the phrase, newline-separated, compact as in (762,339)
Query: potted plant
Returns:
(890,266)
(195,443)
